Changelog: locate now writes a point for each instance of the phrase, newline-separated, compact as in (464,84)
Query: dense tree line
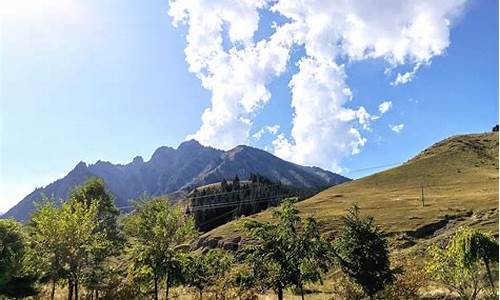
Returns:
(217,204)
(84,248)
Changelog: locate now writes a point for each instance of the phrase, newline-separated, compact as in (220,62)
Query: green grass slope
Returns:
(460,180)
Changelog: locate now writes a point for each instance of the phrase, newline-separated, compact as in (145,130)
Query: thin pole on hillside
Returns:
(422,195)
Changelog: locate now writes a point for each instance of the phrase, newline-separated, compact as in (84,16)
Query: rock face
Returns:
(179,170)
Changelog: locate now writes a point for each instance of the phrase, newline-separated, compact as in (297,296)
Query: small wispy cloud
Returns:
(397,128)
(407,76)
(384,107)
(272,129)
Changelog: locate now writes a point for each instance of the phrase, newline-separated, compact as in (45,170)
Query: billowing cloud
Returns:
(222,51)
(319,93)
(397,128)
(236,77)
(384,107)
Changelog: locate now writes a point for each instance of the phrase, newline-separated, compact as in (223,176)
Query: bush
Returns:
(406,285)
(346,289)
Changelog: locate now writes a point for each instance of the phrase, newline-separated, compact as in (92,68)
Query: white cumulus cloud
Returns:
(322,126)
(325,129)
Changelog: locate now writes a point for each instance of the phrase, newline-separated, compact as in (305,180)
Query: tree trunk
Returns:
(76,290)
(302,291)
(70,290)
(167,288)
(53,290)
(96,294)
(156,287)
(490,277)
(201,294)
(280,293)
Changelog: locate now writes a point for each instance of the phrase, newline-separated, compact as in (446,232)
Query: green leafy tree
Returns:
(64,241)
(202,270)
(158,233)
(362,252)
(15,282)
(94,191)
(465,262)
(45,244)
(288,252)
(472,246)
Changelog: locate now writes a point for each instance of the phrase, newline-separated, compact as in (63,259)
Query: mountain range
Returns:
(177,171)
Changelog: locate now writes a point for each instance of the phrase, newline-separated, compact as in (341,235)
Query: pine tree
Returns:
(362,252)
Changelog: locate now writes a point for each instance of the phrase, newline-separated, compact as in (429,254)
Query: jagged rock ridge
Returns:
(178,170)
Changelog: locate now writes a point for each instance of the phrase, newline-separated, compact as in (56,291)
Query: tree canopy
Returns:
(288,251)
(14,281)
(158,232)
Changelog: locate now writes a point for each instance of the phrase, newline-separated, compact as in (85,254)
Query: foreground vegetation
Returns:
(84,249)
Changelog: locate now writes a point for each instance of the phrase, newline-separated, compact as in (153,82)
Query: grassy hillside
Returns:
(460,181)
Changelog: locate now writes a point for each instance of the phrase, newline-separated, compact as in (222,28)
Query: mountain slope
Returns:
(178,170)
(460,184)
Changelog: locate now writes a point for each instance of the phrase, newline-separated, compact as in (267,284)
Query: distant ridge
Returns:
(178,170)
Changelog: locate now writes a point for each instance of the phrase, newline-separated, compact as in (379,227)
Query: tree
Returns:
(94,191)
(158,232)
(288,252)
(236,183)
(458,266)
(362,253)
(224,186)
(45,244)
(202,270)
(14,280)
(63,241)
(495,128)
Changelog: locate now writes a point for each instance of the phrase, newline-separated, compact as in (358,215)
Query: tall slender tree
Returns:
(94,191)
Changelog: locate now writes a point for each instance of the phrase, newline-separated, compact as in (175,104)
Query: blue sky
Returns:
(109,80)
